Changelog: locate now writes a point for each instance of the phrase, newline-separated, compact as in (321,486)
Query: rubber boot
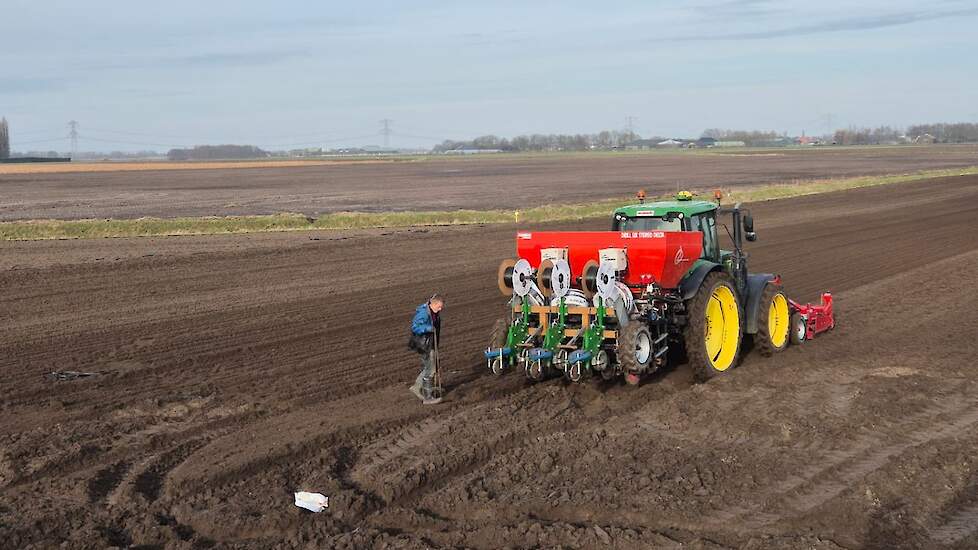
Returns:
(416,390)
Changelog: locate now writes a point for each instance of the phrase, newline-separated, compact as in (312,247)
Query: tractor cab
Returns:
(682,214)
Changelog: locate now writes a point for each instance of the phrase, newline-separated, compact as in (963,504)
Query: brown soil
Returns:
(439,183)
(235,370)
(136,166)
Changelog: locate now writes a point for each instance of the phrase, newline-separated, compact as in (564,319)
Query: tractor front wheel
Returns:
(713,334)
(635,354)
(773,328)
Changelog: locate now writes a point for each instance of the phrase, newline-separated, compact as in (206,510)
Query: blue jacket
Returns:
(422,323)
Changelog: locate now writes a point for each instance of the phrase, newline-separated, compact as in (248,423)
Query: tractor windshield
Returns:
(623,223)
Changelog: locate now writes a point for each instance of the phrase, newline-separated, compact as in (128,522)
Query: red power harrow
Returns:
(809,319)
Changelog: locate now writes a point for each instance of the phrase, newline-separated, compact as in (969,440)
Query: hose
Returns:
(624,296)
(574,297)
(535,296)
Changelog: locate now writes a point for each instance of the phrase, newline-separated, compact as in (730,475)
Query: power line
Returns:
(827,119)
(141,134)
(38,141)
(102,140)
(73,136)
(416,136)
(31,132)
(199,138)
(386,131)
(630,124)
(322,141)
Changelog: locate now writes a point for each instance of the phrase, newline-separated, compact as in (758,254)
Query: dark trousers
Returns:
(426,379)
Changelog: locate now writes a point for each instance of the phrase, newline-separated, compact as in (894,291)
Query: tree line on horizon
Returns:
(217,152)
(605,139)
(961,132)
(964,132)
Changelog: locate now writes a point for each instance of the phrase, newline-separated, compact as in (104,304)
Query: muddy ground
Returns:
(235,370)
(511,181)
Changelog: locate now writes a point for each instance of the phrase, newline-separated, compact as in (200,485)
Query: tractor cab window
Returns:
(649,223)
(707,224)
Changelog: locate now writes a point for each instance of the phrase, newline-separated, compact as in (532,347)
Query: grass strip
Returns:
(145,227)
(797,188)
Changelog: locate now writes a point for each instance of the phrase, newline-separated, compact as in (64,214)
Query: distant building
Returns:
(471,151)
(640,144)
(776,142)
(706,142)
(925,139)
(307,152)
(670,143)
(730,144)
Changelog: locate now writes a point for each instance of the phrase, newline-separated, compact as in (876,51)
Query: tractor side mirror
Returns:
(749,228)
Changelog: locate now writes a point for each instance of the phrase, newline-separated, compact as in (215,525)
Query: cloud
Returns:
(21,85)
(237,59)
(834,25)
(214,60)
(739,8)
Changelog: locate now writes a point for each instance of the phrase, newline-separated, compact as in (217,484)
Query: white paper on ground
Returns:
(314,502)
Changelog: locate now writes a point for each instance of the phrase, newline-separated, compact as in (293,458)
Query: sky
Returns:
(290,74)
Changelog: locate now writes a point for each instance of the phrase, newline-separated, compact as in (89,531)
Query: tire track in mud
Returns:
(106,480)
(407,467)
(301,346)
(961,525)
(149,481)
(426,455)
(82,459)
(835,472)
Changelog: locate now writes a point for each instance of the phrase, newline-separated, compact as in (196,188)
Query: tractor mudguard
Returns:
(755,287)
(693,280)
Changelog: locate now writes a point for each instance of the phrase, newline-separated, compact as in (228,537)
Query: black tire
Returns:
(798,329)
(764,339)
(629,338)
(695,334)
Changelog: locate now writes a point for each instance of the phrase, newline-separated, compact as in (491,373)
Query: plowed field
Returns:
(232,371)
(437,183)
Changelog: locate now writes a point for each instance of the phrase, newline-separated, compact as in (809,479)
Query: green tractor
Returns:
(616,302)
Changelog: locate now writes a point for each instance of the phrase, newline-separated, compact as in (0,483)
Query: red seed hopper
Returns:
(662,257)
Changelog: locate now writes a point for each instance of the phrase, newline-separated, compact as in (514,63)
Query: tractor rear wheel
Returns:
(713,334)
(773,321)
(635,354)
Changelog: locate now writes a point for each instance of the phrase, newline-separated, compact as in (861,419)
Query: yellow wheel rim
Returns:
(722,333)
(777,321)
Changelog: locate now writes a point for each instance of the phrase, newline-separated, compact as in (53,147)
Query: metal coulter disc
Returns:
(522,277)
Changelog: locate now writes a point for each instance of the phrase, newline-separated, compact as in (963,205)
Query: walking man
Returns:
(425,333)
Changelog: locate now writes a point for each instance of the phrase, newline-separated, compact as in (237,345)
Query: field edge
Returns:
(52,229)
